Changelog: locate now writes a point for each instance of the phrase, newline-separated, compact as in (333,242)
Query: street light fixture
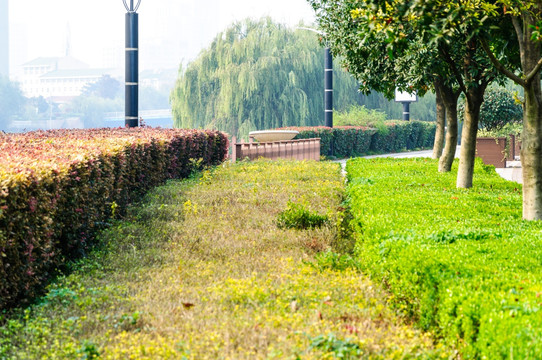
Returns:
(131,118)
(328,81)
(405,98)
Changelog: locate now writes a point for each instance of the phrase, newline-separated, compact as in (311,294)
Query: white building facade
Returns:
(58,79)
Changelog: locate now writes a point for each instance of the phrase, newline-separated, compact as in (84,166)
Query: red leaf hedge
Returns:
(57,188)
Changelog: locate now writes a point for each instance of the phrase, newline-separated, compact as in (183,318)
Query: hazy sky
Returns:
(170,30)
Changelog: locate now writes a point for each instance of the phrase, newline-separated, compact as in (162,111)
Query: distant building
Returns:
(59,79)
(4,38)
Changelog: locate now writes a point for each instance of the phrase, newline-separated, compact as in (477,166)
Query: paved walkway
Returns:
(512,173)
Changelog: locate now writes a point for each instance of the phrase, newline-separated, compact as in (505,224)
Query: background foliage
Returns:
(12,101)
(262,75)
(500,108)
(358,116)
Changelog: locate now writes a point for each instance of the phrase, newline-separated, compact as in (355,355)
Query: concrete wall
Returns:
(304,149)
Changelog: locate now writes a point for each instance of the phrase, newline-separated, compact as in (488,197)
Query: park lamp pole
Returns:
(328,87)
(328,81)
(131,105)
(405,98)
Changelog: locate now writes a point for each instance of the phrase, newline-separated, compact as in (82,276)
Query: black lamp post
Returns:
(328,88)
(405,98)
(328,81)
(131,118)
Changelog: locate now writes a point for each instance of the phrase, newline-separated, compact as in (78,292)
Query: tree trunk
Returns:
(531,154)
(441,123)
(465,172)
(449,98)
(531,138)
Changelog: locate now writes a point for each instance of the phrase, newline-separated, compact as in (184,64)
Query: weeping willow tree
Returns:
(258,75)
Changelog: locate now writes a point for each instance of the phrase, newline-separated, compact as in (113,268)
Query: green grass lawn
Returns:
(201,270)
(461,263)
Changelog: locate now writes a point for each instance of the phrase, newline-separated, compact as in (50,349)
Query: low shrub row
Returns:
(461,263)
(351,141)
(57,188)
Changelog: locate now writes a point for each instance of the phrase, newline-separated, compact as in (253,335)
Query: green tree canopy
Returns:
(384,54)
(258,75)
(92,108)
(508,31)
(106,87)
(386,39)
(499,109)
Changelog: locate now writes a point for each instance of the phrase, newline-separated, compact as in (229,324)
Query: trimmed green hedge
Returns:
(404,136)
(351,141)
(461,263)
(60,187)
